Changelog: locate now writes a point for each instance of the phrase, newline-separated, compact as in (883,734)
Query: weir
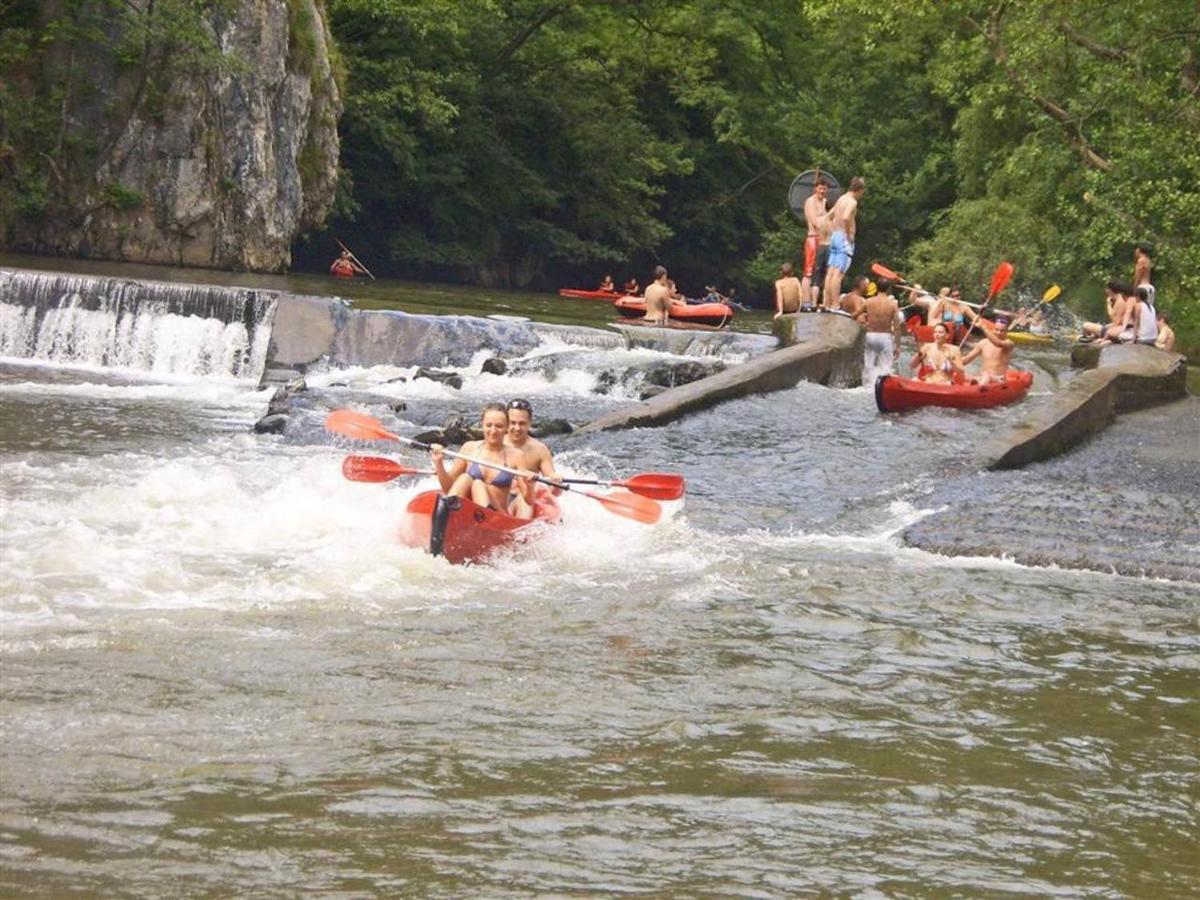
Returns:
(149,326)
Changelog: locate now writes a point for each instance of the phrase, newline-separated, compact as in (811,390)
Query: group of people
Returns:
(828,244)
(630,288)
(506,442)
(1132,316)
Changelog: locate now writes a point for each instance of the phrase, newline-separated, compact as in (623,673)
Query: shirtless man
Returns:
(788,291)
(1142,264)
(1114,302)
(818,234)
(854,301)
(658,297)
(842,224)
(537,455)
(1166,334)
(940,361)
(883,320)
(994,349)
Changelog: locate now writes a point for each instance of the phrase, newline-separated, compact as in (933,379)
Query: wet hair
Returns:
(787,269)
(1143,294)
(659,272)
(1115,287)
(862,280)
(494,407)
(521,404)
(1143,247)
(858,183)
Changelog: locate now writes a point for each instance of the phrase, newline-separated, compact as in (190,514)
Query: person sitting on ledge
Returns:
(1166,334)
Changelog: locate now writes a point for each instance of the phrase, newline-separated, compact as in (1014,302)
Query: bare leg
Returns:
(479,492)
(833,288)
(462,486)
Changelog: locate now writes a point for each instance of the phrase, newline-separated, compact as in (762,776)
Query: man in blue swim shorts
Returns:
(841,241)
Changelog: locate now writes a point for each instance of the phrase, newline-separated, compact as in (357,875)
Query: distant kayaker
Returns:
(345,267)
(606,284)
(883,334)
(788,291)
(536,455)
(658,297)
(632,288)
(939,362)
(816,242)
(842,222)
(486,486)
(994,349)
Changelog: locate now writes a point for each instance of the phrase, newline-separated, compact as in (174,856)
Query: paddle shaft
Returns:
(355,258)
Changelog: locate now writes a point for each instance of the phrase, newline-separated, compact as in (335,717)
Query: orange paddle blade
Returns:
(631,506)
(359,426)
(655,485)
(1000,278)
(884,272)
(376,469)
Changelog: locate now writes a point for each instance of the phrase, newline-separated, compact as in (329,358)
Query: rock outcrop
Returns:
(213,150)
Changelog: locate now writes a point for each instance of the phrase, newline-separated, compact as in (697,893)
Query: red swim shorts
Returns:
(810,255)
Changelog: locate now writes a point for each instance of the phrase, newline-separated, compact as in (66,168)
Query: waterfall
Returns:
(149,326)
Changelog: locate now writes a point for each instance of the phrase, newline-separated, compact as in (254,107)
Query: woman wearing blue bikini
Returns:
(484,485)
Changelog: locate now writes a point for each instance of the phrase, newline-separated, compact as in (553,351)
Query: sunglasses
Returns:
(521,405)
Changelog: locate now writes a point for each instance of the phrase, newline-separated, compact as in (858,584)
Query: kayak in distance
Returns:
(1028,337)
(894,394)
(716,314)
(581,294)
(463,531)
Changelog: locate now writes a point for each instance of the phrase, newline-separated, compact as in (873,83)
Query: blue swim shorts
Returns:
(841,251)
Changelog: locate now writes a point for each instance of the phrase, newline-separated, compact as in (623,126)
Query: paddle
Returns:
(355,258)
(376,469)
(1000,278)
(1051,292)
(655,485)
(365,428)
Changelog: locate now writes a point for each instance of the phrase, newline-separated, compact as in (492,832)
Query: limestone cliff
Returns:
(198,134)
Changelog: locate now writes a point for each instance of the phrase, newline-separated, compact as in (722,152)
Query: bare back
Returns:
(658,299)
(882,313)
(787,294)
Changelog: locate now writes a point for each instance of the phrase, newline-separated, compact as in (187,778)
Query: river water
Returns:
(222,675)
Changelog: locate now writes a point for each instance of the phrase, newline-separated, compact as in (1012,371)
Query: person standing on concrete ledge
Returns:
(658,297)
(1142,263)
(883,320)
(787,291)
(816,242)
(842,220)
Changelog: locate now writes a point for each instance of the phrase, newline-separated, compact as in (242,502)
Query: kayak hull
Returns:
(1028,337)
(580,294)
(465,532)
(716,314)
(895,394)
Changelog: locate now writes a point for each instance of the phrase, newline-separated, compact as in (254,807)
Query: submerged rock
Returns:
(446,377)
(494,366)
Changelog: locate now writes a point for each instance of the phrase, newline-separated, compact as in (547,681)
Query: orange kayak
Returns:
(700,313)
(581,294)
(465,532)
(893,393)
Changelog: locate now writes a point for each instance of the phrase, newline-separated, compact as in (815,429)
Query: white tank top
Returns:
(1147,331)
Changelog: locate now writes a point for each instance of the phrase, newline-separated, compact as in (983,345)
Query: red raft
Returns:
(581,294)
(893,393)
(923,334)
(465,532)
(700,314)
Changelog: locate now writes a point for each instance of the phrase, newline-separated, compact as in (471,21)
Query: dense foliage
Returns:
(541,142)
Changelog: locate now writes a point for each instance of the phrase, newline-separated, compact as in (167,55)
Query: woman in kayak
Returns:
(488,487)
(952,312)
(939,362)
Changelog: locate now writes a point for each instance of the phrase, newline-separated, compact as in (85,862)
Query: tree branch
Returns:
(522,37)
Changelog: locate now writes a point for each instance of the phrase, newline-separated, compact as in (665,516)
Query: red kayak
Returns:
(700,314)
(893,393)
(581,294)
(465,532)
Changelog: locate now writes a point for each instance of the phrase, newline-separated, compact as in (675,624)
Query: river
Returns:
(223,676)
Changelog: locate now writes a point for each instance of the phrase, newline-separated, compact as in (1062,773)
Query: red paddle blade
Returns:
(655,485)
(1001,277)
(884,272)
(358,426)
(631,506)
(375,469)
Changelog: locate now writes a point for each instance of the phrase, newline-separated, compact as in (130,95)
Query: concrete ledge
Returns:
(829,350)
(1127,378)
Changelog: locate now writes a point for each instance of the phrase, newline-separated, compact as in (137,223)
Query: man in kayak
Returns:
(658,297)
(788,291)
(345,267)
(842,223)
(537,456)
(606,284)
(816,241)
(994,349)
(488,487)
(883,322)
(939,362)
(632,287)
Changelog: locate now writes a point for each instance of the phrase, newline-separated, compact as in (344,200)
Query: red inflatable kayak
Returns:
(465,532)
(700,314)
(893,393)
(581,294)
